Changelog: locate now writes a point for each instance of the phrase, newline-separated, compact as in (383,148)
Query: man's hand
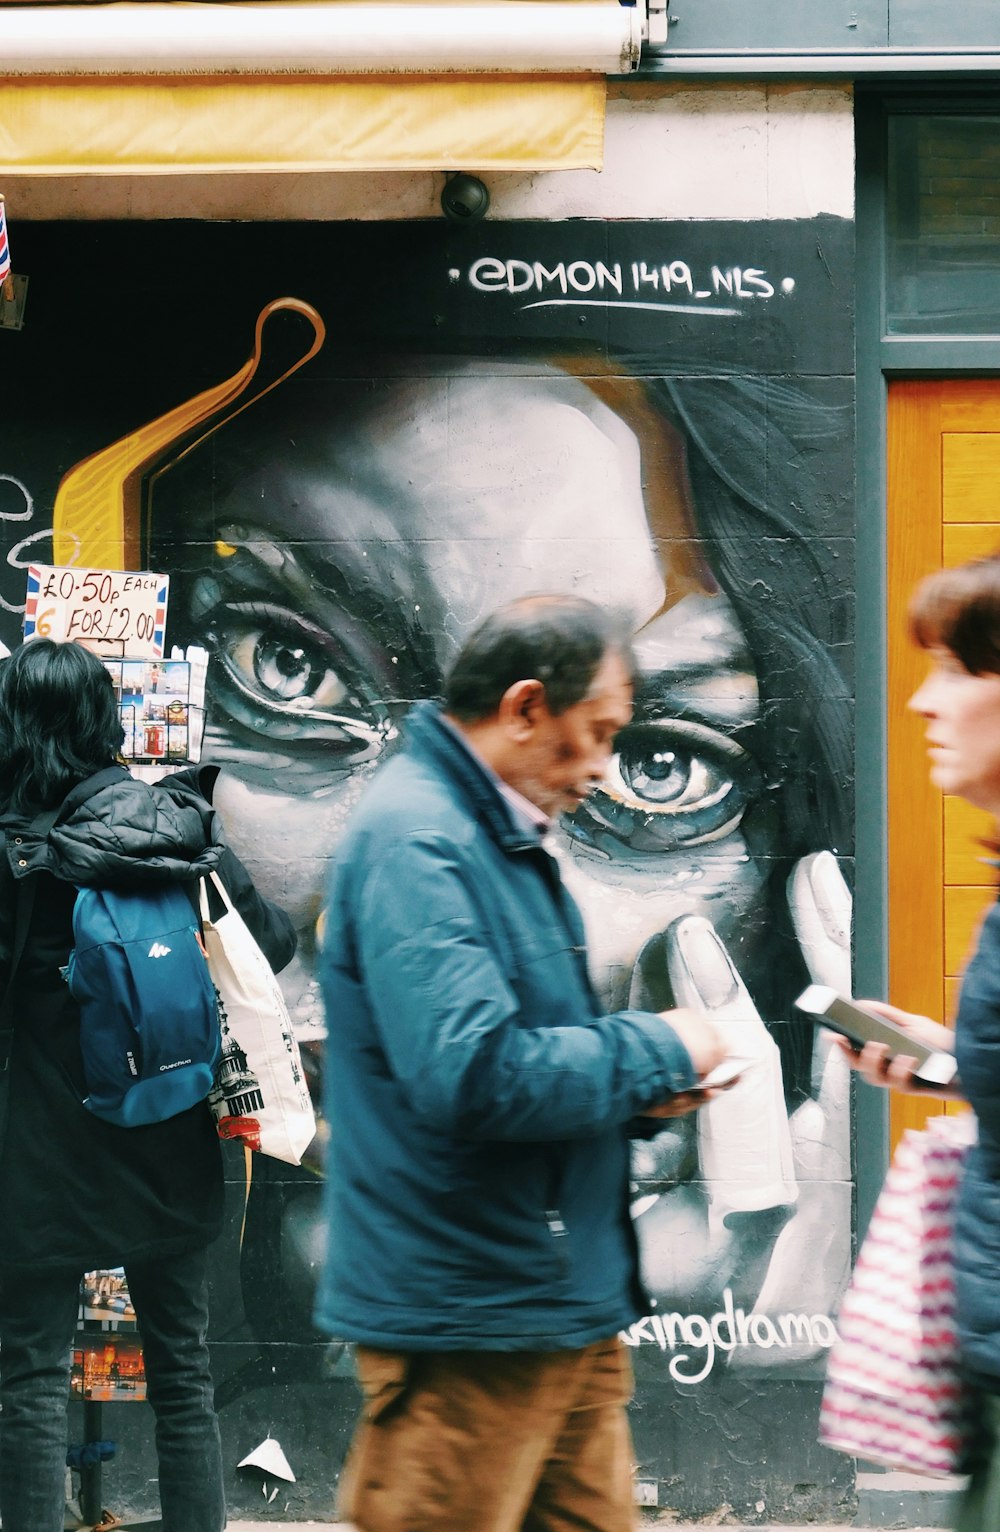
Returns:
(685,1102)
(706,1045)
(702,1038)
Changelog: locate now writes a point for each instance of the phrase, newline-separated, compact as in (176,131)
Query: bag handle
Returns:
(220,889)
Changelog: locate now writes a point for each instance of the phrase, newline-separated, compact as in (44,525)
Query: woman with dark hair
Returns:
(59,723)
(955,617)
(77,1192)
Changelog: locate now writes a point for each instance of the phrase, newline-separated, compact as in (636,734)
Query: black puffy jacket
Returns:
(75,1190)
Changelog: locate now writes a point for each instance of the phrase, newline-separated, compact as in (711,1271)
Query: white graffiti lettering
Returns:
(14,554)
(704,1337)
(514,276)
(642,284)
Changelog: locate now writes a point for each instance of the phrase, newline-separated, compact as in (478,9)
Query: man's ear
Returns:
(521,707)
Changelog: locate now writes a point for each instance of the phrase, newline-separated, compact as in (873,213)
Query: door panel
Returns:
(944,508)
(962,542)
(965,857)
(963,910)
(970,472)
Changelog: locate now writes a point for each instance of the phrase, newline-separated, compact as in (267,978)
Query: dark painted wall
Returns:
(658,415)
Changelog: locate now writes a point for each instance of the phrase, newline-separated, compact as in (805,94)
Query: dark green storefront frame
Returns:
(880,359)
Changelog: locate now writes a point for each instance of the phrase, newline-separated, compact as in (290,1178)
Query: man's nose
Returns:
(599,765)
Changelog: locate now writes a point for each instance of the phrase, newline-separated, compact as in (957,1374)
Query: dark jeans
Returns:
(38,1313)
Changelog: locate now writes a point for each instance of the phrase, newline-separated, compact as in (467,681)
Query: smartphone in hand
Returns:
(726,1073)
(724,1076)
(824,1006)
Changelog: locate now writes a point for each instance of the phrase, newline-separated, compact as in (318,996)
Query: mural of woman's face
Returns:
(347,572)
(347,565)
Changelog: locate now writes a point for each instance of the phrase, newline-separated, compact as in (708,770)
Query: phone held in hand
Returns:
(724,1076)
(726,1073)
(826,1007)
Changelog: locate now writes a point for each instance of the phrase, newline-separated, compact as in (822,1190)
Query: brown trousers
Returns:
(488,1441)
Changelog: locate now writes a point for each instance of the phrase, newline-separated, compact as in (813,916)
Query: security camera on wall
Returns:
(465,199)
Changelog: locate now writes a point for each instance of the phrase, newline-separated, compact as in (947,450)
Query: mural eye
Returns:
(285,677)
(287,669)
(670,783)
(661,776)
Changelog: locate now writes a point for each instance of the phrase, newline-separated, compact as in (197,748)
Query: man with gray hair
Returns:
(480,1249)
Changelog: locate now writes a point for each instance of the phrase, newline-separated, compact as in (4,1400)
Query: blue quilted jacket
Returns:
(977,1229)
(477,1190)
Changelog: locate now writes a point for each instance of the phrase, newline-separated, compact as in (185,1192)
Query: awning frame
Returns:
(149,39)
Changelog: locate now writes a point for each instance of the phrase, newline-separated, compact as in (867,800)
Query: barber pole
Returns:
(6,278)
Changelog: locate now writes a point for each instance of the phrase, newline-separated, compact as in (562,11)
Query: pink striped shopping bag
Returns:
(893,1394)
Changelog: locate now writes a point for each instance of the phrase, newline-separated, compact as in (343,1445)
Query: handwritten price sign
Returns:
(114,612)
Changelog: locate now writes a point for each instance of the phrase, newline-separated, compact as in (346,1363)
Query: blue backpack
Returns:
(149,1019)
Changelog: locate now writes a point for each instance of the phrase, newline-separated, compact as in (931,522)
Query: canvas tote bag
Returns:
(260,1093)
(893,1393)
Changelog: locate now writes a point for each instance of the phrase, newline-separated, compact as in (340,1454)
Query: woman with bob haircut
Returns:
(78,1193)
(955,617)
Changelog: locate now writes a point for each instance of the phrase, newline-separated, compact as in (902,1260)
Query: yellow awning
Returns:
(155,88)
(161,126)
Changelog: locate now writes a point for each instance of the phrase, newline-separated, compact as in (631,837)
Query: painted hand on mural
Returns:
(820,1127)
(759,1208)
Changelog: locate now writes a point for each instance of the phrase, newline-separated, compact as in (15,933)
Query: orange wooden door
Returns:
(944,507)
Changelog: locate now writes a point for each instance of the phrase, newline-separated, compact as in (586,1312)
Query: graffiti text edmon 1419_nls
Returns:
(635,284)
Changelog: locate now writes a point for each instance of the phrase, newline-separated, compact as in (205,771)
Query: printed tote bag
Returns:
(260,1093)
(893,1394)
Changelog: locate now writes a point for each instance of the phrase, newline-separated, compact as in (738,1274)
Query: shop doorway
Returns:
(943,508)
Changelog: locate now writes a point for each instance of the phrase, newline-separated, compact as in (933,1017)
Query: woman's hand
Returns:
(932,1033)
(879,1066)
